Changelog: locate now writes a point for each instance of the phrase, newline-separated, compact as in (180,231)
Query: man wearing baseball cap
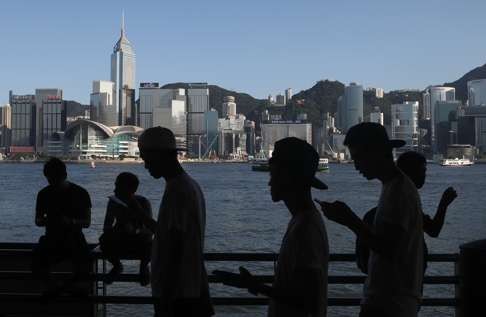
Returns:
(395,267)
(179,276)
(300,284)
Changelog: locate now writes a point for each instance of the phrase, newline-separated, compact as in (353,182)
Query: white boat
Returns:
(93,165)
(456,162)
(323,165)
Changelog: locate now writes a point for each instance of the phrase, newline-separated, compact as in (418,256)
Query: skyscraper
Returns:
(197,106)
(353,98)
(5,125)
(50,115)
(476,90)
(23,120)
(123,75)
(431,97)
(102,107)
(350,107)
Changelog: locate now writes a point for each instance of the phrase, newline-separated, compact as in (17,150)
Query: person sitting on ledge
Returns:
(64,209)
(123,234)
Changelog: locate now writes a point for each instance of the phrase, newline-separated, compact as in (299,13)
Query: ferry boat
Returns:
(263,166)
(456,162)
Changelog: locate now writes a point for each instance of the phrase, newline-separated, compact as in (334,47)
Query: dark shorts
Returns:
(53,249)
(115,245)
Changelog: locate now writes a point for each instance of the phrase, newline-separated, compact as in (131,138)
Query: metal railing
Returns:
(100,295)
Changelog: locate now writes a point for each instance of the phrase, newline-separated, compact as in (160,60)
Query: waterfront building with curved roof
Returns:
(87,139)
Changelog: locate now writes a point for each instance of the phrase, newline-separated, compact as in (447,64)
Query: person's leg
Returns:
(45,254)
(40,259)
(81,256)
(143,244)
(109,243)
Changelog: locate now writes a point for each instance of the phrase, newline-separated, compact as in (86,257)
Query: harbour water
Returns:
(242,217)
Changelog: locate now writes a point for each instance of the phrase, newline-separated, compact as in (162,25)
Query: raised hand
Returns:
(243,280)
(448,197)
(338,212)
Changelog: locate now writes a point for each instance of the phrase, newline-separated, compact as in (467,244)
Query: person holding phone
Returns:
(393,287)
(300,284)
(414,165)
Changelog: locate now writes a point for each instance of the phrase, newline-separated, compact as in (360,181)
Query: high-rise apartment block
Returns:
(288,95)
(404,123)
(377,116)
(476,90)
(280,100)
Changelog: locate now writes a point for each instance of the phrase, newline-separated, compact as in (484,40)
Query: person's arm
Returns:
(384,243)
(109,217)
(40,212)
(304,287)
(171,279)
(142,215)
(433,226)
(84,219)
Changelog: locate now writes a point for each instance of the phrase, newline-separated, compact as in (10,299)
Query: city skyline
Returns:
(255,48)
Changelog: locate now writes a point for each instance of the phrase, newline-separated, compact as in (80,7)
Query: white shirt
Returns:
(395,284)
(182,208)
(304,246)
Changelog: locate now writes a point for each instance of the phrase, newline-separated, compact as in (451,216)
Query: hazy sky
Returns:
(259,47)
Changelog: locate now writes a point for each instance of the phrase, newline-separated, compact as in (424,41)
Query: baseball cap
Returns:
(371,135)
(299,158)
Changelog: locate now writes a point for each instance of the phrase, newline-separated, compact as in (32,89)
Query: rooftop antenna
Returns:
(123,23)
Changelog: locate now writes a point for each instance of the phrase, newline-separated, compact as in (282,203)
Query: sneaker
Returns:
(113,274)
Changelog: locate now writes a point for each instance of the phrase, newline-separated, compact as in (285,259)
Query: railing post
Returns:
(471,270)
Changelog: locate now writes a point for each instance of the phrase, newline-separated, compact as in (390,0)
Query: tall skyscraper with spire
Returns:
(123,75)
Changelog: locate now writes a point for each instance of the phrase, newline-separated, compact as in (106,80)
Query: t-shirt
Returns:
(183,208)
(395,284)
(363,250)
(69,200)
(304,246)
(124,219)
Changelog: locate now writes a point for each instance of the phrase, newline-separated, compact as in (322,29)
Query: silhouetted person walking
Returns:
(63,208)
(123,233)
(414,165)
(393,286)
(300,285)
(178,274)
